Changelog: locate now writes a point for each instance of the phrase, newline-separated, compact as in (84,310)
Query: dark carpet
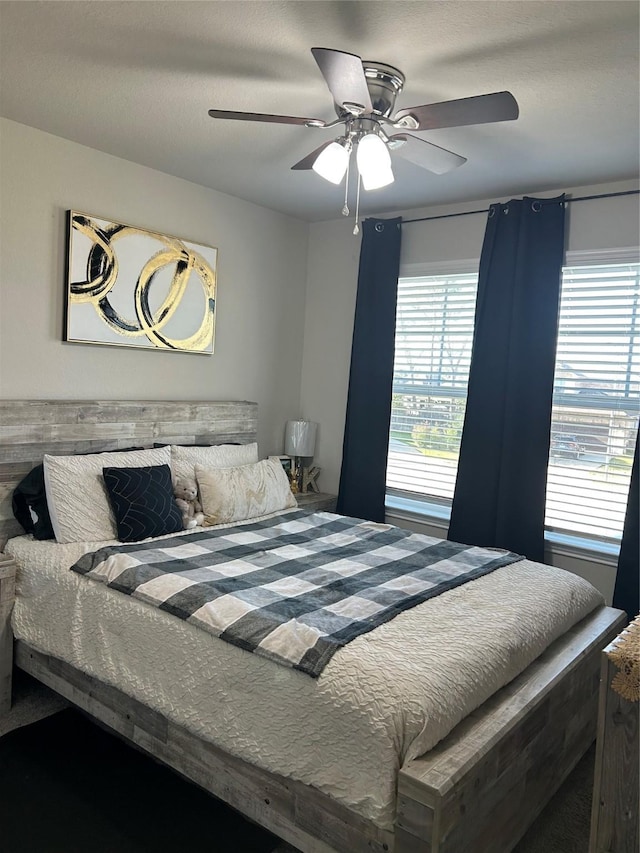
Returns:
(67,786)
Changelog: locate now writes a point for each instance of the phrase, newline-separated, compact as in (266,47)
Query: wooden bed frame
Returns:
(475,792)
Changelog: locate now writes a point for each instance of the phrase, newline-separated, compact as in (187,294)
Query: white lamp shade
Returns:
(331,162)
(372,158)
(300,438)
(376,180)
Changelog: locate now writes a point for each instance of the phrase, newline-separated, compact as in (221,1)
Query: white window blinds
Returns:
(434,333)
(596,400)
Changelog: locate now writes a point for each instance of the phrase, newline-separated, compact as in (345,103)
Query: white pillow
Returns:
(185,459)
(234,494)
(77,498)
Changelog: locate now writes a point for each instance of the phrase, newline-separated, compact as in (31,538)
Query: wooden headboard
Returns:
(31,428)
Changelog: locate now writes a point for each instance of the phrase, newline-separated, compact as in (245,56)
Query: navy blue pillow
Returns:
(29,504)
(143,502)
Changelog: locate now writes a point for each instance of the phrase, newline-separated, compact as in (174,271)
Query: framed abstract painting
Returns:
(131,287)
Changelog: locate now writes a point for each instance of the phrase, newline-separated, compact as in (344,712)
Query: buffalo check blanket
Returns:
(294,588)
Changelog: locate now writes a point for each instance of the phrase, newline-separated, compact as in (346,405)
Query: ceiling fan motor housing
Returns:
(384,83)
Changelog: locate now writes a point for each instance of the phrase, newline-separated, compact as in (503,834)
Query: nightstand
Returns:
(317,501)
(7,596)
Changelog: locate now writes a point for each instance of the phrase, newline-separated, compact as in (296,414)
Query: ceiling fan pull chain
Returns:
(345,209)
(356,227)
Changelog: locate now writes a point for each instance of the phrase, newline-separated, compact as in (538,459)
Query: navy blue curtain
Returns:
(499,498)
(366,434)
(626,595)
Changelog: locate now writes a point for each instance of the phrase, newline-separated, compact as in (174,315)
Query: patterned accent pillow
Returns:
(185,458)
(234,494)
(143,502)
(76,494)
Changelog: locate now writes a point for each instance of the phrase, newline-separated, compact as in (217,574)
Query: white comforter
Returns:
(385,698)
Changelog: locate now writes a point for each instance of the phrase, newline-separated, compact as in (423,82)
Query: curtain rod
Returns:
(541,201)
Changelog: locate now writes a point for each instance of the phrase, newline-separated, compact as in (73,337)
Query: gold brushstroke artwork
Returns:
(128,286)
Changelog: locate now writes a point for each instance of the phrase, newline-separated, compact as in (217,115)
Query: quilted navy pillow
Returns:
(142,501)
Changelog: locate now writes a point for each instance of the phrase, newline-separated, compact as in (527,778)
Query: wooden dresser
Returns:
(615,827)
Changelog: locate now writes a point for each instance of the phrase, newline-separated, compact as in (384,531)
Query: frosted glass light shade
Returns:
(377,179)
(374,162)
(300,438)
(331,163)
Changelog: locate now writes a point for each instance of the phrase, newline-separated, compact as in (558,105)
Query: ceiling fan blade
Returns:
(232,114)
(425,154)
(308,161)
(499,106)
(344,76)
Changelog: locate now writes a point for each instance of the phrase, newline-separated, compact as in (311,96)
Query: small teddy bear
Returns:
(186,493)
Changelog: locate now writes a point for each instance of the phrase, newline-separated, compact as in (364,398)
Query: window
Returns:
(596,400)
(434,333)
(596,393)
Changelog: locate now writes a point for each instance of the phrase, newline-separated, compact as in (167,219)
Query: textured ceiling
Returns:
(135,79)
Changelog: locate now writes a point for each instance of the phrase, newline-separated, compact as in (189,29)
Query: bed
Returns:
(473,780)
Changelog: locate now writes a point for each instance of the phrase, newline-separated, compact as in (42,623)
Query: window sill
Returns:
(423,511)
(419,507)
(586,549)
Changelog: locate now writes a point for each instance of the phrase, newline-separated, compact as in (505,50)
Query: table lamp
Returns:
(299,440)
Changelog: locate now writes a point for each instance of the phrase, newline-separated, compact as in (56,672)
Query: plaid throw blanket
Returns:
(293,588)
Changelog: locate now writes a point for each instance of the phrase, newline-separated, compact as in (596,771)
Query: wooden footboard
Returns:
(480,789)
(476,792)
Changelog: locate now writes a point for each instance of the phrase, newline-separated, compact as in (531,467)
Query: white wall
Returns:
(332,283)
(262,267)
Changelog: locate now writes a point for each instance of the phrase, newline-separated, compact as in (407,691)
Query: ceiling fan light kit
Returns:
(374,162)
(331,163)
(364,95)
(376,180)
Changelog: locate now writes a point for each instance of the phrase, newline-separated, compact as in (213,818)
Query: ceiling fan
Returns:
(364,95)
